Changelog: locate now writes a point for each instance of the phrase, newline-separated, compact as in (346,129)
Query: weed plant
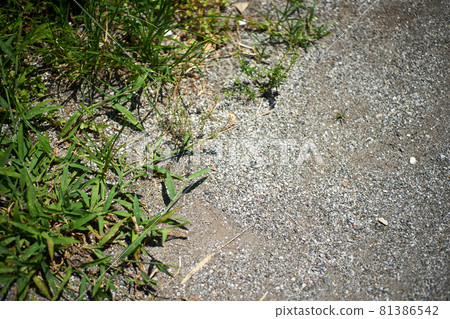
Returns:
(292,26)
(266,80)
(60,214)
(67,202)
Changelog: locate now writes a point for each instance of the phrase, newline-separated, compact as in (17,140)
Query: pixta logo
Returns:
(256,153)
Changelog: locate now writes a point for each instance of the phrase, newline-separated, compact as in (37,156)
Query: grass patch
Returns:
(68,194)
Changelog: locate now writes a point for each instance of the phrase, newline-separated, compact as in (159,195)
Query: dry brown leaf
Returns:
(241,6)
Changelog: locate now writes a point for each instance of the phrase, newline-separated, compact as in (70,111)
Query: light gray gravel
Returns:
(314,188)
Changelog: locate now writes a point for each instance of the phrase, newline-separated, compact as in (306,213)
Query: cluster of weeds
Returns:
(292,26)
(68,195)
(61,214)
(262,80)
(205,16)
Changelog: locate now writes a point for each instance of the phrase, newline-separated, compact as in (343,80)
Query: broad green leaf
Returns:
(125,203)
(122,213)
(9,240)
(132,247)
(20,143)
(51,280)
(32,200)
(84,196)
(148,228)
(64,180)
(4,251)
(87,111)
(97,285)
(4,156)
(74,187)
(34,250)
(163,171)
(30,230)
(7,48)
(167,215)
(163,269)
(79,166)
(101,223)
(6,281)
(164,233)
(22,286)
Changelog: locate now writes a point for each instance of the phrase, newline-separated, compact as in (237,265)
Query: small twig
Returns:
(210,256)
(264,296)
(238,235)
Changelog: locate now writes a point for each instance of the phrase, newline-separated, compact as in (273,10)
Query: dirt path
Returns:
(314,186)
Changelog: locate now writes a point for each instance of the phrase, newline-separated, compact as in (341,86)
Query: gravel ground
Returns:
(306,191)
(301,204)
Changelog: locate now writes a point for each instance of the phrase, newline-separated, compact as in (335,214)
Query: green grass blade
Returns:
(77,224)
(7,269)
(9,172)
(128,115)
(170,186)
(38,109)
(136,210)
(50,245)
(40,284)
(82,290)
(69,123)
(96,262)
(63,283)
(23,284)
(111,233)
(112,194)
(199,173)
(94,195)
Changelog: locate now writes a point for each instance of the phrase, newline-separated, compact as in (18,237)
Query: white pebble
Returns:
(413,160)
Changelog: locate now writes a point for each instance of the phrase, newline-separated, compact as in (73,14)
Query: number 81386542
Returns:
(408,310)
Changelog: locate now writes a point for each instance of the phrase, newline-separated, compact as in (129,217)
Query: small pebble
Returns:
(413,160)
(382,221)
